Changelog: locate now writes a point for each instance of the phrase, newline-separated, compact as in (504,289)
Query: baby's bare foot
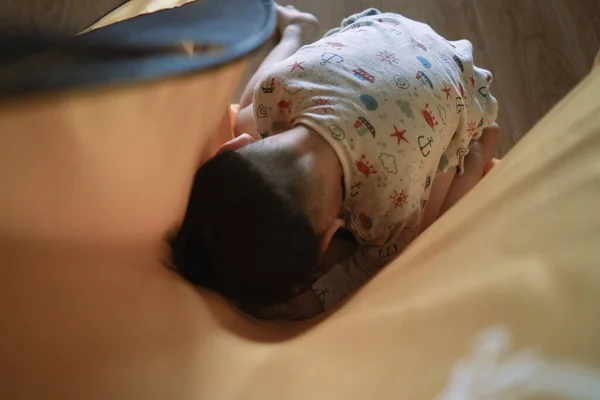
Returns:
(292,21)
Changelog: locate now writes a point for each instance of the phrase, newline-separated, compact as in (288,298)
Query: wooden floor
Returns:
(538,50)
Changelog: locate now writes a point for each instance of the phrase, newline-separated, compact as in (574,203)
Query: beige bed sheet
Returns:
(500,295)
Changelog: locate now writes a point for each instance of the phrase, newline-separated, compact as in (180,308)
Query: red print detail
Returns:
(366,222)
(472,81)
(472,127)
(285,105)
(323,105)
(357,124)
(399,199)
(430,119)
(336,45)
(270,88)
(462,91)
(489,78)
(363,75)
(295,65)
(399,134)
(419,45)
(364,167)
(447,90)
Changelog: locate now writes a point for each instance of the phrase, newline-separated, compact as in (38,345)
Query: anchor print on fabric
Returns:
(331,58)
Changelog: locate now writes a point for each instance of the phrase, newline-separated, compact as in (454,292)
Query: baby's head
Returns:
(252,230)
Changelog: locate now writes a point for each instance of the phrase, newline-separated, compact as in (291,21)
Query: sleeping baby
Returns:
(363,130)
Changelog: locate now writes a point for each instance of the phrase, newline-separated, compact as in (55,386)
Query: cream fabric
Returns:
(504,288)
(133,8)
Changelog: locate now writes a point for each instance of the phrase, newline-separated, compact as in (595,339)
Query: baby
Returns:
(364,130)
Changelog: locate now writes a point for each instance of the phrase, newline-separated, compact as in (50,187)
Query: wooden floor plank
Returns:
(531,56)
(454,19)
(83,13)
(580,21)
(33,14)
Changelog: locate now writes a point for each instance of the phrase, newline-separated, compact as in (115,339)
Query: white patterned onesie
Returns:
(398,103)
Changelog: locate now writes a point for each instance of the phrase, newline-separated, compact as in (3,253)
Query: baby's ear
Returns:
(236,143)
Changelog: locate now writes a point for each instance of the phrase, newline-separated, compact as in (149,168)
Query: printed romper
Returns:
(398,103)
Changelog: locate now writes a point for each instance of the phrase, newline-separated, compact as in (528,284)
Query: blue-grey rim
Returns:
(140,48)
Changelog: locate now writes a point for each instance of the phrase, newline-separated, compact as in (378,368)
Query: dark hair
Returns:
(245,233)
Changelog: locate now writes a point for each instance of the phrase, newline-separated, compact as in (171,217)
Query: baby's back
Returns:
(394,99)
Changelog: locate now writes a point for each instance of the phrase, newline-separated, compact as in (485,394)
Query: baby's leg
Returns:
(295,29)
(481,154)
(440,188)
(449,188)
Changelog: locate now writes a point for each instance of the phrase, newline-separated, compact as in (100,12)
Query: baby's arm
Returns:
(244,123)
(475,166)
(295,29)
(439,190)
(448,188)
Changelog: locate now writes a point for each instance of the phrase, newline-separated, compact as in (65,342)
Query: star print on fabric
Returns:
(323,104)
(295,65)
(447,90)
(399,134)
(472,81)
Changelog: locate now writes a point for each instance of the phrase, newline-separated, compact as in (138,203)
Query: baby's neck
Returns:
(312,144)
(323,160)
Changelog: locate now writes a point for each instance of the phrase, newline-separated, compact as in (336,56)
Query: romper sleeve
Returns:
(272,105)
